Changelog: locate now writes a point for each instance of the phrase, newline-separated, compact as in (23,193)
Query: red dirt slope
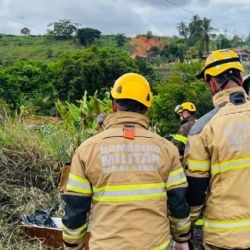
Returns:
(142,44)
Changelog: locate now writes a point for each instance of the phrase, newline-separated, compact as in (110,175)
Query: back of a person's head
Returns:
(131,106)
(132,92)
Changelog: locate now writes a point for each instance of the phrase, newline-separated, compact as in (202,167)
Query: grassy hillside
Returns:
(31,47)
(110,41)
(44,49)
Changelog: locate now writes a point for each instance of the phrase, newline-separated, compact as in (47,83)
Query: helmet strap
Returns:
(239,82)
(224,84)
(229,78)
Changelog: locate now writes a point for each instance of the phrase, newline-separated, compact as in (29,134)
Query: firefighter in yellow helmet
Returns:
(186,112)
(217,156)
(132,177)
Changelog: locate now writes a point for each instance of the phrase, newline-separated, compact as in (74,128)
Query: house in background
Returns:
(243,54)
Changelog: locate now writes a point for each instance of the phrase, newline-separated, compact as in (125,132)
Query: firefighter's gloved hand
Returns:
(196,241)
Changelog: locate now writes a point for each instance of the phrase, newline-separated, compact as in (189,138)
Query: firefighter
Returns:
(132,177)
(186,112)
(217,155)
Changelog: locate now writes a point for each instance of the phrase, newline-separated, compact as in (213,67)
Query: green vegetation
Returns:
(31,156)
(178,85)
(35,48)
(40,84)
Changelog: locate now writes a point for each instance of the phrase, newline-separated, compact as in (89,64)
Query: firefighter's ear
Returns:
(114,106)
(214,86)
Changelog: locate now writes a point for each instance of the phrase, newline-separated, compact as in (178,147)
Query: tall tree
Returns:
(120,39)
(86,36)
(207,30)
(195,29)
(183,30)
(25,31)
(62,30)
(200,33)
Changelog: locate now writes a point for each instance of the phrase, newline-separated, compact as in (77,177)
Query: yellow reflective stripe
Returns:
(195,212)
(128,187)
(180,138)
(74,234)
(199,222)
(176,177)
(129,198)
(184,227)
(227,225)
(163,246)
(129,192)
(180,224)
(195,165)
(230,165)
(78,184)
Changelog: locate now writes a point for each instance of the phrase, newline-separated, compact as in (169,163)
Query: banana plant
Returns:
(80,118)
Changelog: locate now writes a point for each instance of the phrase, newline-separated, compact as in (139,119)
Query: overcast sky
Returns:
(130,17)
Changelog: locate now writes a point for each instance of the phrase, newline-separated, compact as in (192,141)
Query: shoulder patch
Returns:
(200,123)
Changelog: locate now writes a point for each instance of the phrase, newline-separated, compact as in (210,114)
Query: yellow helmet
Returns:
(185,106)
(132,86)
(220,61)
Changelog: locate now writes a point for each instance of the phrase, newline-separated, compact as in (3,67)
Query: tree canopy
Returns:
(86,36)
(40,84)
(62,29)
(197,31)
(25,31)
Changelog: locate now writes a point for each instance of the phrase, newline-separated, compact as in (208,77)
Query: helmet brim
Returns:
(200,75)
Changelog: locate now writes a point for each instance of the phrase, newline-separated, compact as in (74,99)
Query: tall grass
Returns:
(30,160)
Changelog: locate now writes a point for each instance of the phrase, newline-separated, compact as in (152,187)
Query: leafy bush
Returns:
(180,85)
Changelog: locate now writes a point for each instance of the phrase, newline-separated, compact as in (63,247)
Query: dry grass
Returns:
(28,180)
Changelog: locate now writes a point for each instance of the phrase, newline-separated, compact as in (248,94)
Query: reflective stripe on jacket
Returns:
(218,172)
(130,182)
(180,139)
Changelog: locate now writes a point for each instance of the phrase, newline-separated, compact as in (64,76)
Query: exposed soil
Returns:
(142,44)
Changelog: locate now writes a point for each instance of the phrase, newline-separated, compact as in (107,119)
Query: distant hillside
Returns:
(32,47)
(42,48)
